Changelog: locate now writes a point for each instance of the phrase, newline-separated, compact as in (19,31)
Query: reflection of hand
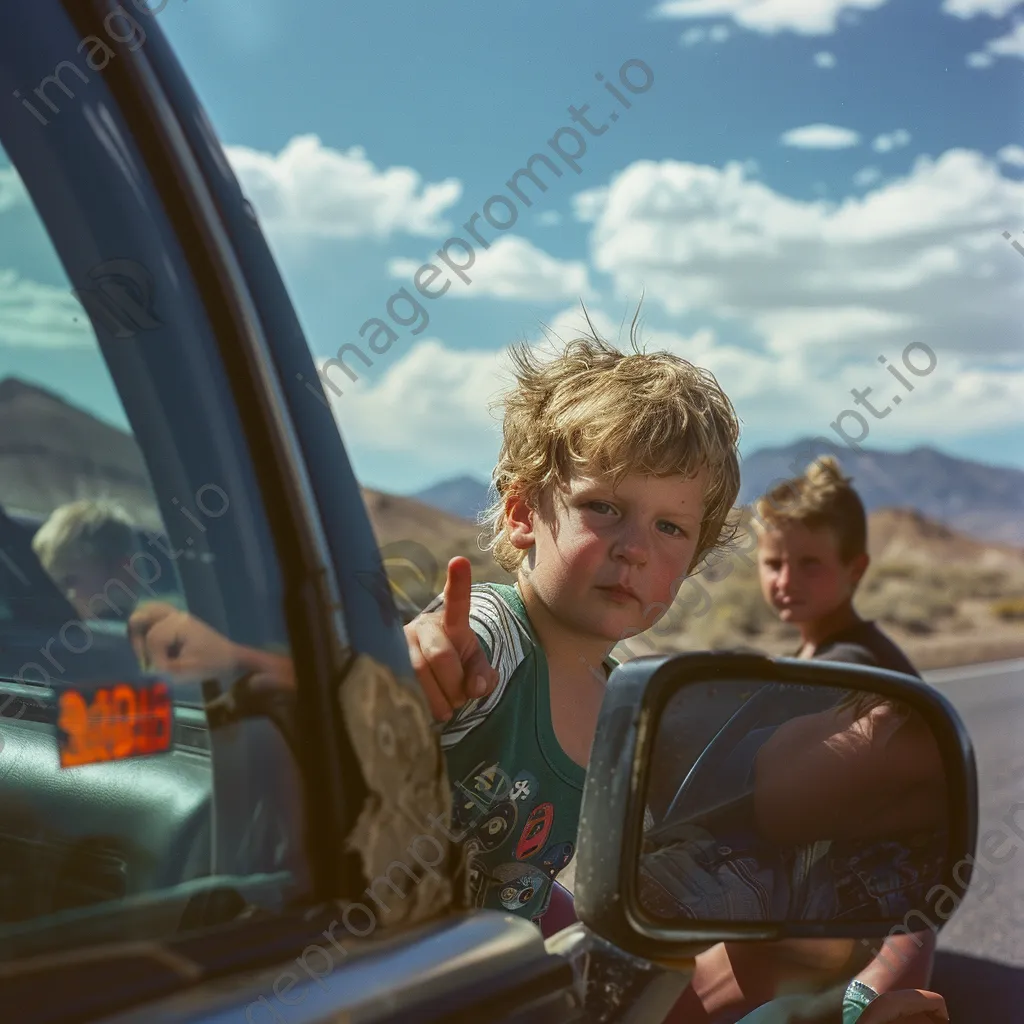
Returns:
(907,1006)
(167,639)
(445,652)
(840,775)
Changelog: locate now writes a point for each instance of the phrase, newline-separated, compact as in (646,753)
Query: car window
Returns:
(141,599)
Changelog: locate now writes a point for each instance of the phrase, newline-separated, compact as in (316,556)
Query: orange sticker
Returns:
(114,723)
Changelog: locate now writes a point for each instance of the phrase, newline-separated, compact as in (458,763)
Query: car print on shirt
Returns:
(535,831)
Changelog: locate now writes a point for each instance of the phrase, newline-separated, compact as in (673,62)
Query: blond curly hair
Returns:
(84,531)
(595,409)
(822,497)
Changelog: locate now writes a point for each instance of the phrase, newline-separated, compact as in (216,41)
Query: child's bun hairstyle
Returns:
(822,497)
(595,409)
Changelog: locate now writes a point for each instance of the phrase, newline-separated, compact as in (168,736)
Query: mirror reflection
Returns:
(789,802)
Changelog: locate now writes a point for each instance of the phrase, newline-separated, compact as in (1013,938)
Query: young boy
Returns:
(616,476)
(87,546)
(812,554)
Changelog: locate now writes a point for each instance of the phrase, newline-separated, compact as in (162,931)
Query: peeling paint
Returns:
(405,822)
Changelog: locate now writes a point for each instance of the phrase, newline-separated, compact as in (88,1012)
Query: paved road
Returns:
(980,965)
(990,699)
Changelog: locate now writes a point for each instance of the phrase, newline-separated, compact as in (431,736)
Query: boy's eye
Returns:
(672,529)
(601,507)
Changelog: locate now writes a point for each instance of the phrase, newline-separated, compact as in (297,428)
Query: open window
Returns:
(141,589)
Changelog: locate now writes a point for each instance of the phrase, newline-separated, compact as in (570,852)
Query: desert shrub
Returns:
(908,605)
(1010,609)
(957,582)
(966,583)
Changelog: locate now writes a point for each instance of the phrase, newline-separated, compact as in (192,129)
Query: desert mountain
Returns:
(983,501)
(463,496)
(52,452)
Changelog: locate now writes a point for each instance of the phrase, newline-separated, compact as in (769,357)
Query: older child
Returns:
(616,476)
(812,554)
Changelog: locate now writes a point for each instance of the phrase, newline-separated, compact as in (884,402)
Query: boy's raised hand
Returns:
(446,655)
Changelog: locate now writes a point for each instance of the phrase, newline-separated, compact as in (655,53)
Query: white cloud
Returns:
(885,143)
(1010,45)
(432,403)
(314,191)
(972,8)
(512,268)
(820,136)
(34,315)
(824,59)
(715,34)
(866,176)
(1012,155)
(788,302)
(805,17)
(809,17)
(920,258)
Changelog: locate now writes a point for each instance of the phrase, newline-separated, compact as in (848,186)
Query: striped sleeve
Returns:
(505,643)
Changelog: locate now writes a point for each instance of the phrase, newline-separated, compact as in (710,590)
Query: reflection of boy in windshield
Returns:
(86,546)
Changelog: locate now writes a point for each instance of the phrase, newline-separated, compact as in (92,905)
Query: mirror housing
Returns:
(611,833)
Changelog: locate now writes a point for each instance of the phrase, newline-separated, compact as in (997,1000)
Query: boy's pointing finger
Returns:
(457,589)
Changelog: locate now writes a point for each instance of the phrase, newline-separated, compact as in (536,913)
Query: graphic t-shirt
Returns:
(516,793)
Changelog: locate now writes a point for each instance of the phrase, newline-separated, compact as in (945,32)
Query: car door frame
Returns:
(326,546)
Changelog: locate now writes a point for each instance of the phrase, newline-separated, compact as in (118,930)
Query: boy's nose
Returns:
(631,546)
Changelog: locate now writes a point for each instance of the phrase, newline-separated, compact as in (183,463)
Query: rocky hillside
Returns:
(52,452)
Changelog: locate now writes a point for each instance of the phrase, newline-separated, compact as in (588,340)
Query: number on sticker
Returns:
(120,721)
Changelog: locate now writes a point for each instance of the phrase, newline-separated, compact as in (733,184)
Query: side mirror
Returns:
(738,797)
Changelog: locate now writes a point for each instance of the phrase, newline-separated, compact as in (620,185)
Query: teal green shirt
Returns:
(516,793)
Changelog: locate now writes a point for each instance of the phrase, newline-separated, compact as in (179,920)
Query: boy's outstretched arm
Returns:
(446,655)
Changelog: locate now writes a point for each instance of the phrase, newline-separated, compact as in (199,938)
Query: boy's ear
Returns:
(859,566)
(519,522)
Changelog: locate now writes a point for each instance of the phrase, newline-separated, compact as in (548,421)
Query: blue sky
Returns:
(804,187)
